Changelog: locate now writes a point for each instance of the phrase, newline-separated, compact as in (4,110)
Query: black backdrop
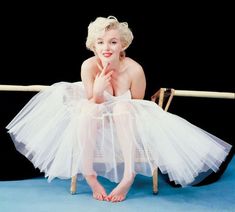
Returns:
(179,46)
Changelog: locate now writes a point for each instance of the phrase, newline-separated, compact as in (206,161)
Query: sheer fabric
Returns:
(63,134)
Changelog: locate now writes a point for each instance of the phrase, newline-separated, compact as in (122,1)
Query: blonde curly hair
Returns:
(102,24)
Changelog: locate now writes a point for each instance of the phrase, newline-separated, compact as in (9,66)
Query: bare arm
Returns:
(138,84)
(95,82)
(87,77)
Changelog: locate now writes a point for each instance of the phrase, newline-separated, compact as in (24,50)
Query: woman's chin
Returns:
(105,61)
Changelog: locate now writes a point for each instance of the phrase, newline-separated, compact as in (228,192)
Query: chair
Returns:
(159,96)
(163,97)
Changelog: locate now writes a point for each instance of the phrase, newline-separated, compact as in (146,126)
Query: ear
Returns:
(124,48)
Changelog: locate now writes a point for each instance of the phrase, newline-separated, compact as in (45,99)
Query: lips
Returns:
(107,54)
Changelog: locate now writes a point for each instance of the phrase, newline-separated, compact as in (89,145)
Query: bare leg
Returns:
(88,147)
(99,192)
(126,142)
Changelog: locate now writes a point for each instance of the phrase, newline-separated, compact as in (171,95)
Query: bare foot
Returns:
(98,190)
(119,193)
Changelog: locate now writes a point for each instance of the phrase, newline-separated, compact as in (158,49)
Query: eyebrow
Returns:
(114,38)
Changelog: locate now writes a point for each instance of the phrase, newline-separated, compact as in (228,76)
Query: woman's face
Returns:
(108,46)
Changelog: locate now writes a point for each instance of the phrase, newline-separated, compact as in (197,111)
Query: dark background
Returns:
(186,46)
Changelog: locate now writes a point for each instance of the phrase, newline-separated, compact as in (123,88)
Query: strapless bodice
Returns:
(125,95)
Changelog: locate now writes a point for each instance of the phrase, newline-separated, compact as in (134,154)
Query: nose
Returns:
(106,46)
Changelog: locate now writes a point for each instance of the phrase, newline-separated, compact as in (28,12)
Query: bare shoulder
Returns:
(137,79)
(134,67)
(88,66)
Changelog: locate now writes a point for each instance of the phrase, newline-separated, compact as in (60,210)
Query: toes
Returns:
(106,199)
(117,198)
(104,196)
(120,199)
(98,197)
(109,197)
(114,199)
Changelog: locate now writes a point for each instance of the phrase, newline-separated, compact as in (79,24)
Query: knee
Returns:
(89,108)
(121,107)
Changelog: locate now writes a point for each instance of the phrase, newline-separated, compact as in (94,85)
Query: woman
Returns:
(103,127)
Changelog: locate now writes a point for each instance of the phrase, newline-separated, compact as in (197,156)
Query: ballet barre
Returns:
(186,93)
(164,93)
(22,87)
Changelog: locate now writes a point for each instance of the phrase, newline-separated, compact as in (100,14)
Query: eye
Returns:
(114,42)
(99,42)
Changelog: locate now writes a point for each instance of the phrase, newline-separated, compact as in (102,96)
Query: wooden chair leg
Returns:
(155,181)
(155,172)
(160,94)
(161,97)
(73,186)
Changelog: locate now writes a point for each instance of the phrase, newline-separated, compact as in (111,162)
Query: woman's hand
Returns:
(102,81)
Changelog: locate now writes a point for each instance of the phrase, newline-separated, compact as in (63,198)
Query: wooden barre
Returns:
(208,94)
(22,87)
(191,93)
(186,93)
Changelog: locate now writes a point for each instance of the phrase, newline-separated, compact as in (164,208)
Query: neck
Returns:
(115,66)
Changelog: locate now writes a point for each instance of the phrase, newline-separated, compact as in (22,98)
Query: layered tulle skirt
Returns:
(63,134)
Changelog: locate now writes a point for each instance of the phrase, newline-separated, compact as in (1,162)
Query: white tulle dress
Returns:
(63,134)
